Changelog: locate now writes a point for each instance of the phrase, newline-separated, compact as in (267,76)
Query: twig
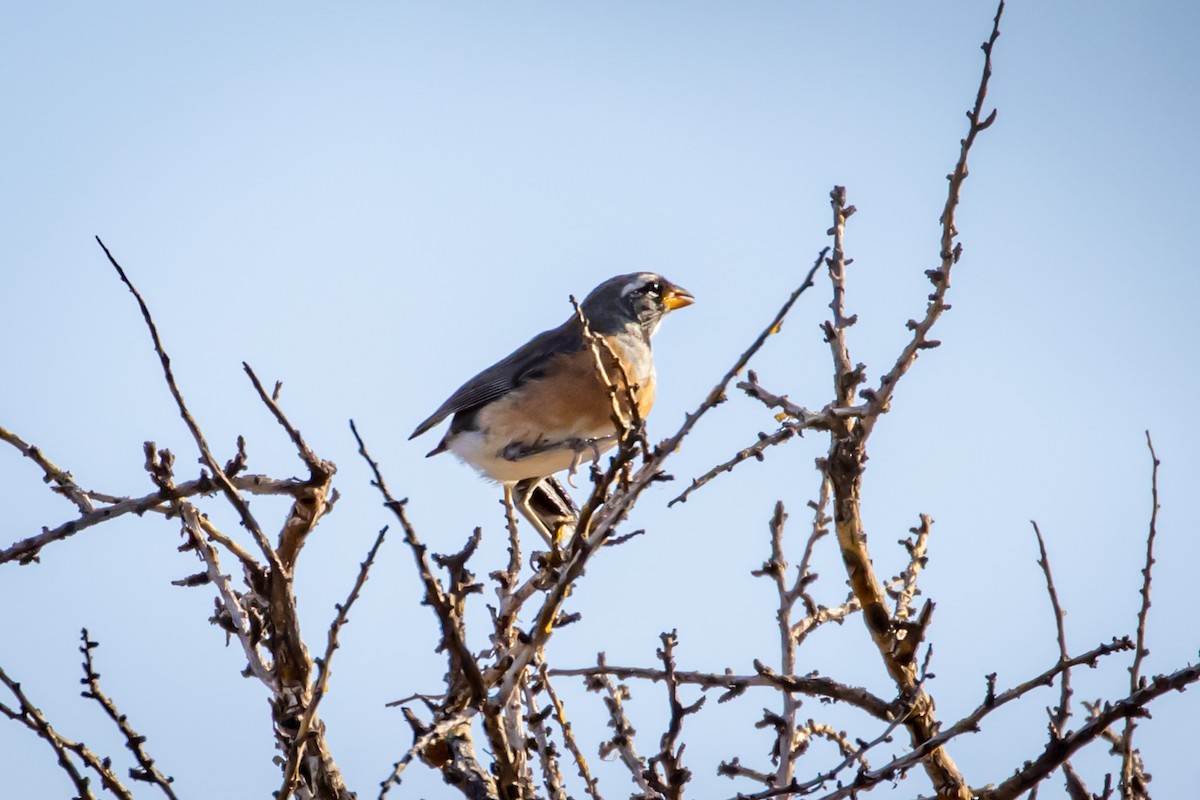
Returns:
(765,678)
(818,529)
(232,616)
(822,420)
(734,768)
(1076,789)
(1058,751)
(818,730)
(313,501)
(510,601)
(755,451)
(435,594)
(320,469)
(552,777)
(29,716)
(623,732)
(717,394)
(866,779)
(427,737)
(463,666)
(1131,783)
(814,783)
(674,776)
(231,492)
(1058,719)
(64,483)
(916,562)
(776,568)
(950,251)
(560,715)
(600,348)
(147,771)
(27,550)
(238,622)
(320,686)
(846,378)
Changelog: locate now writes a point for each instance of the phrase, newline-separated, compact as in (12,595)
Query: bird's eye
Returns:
(654,287)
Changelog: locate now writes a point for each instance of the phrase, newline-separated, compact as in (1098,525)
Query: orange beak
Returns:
(677,297)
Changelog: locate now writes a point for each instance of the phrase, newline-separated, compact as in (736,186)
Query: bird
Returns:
(547,406)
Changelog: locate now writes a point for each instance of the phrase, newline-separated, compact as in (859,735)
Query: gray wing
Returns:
(506,374)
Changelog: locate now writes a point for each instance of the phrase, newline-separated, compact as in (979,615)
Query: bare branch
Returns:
(785,750)
(231,492)
(755,451)
(552,777)
(232,616)
(626,415)
(560,715)
(622,742)
(147,771)
(717,395)
(296,754)
(916,562)
(970,724)
(1132,783)
(1058,719)
(28,715)
(465,676)
(435,746)
(1056,752)
(737,684)
(849,757)
(64,483)
(320,469)
(881,397)
(26,551)
(847,461)
(665,771)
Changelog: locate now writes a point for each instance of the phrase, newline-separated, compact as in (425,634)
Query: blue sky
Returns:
(373,203)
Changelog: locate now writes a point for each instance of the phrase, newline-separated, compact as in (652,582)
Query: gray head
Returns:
(639,297)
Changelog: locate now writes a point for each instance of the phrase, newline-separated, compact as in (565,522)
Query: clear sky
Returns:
(373,202)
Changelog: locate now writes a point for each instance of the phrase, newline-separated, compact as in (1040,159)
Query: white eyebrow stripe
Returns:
(640,280)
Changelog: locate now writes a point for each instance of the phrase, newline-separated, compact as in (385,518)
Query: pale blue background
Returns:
(374,202)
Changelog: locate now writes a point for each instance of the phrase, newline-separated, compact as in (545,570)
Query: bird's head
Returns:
(643,298)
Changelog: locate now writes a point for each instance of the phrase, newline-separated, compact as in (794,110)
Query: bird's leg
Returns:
(574,466)
(548,507)
(582,445)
